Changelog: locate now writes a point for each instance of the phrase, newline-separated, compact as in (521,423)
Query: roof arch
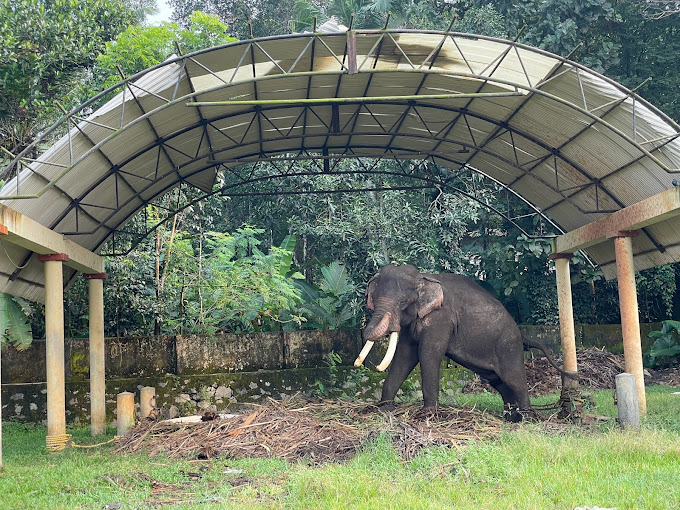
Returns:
(575,144)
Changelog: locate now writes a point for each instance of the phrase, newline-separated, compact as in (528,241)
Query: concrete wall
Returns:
(589,335)
(192,374)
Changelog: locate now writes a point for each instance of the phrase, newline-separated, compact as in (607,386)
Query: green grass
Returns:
(524,468)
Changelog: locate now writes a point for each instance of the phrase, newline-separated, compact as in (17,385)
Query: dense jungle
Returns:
(266,259)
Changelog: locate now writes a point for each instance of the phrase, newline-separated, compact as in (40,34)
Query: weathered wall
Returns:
(192,373)
(589,335)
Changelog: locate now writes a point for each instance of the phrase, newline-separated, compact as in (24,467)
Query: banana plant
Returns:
(14,324)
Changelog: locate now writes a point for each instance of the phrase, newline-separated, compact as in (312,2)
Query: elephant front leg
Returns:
(431,355)
(405,360)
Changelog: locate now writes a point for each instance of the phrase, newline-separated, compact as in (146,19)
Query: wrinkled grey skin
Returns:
(440,315)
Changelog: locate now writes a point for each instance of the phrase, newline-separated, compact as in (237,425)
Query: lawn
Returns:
(525,467)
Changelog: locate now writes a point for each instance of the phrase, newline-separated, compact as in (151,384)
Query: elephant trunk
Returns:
(384,320)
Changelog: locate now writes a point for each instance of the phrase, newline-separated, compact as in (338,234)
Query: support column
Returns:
(566,313)
(54,342)
(630,319)
(3,231)
(97,353)
(1,468)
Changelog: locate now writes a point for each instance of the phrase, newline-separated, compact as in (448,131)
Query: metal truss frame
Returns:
(456,154)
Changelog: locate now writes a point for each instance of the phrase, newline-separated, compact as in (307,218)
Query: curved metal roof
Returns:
(573,143)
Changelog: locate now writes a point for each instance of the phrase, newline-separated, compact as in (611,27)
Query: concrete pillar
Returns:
(566,312)
(627,401)
(147,401)
(4,232)
(630,319)
(125,412)
(54,342)
(97,353)
(1,408)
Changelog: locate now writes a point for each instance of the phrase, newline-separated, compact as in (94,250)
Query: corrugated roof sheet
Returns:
(572,142)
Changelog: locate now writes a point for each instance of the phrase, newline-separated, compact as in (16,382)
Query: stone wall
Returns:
(192,374)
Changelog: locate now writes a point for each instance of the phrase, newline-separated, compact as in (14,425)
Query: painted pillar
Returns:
(54,342)
(1,407)
(566,313)
(3,231)
(97,353)
(630,319)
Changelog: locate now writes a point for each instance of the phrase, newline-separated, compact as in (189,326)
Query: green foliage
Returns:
(141,47)
(483,20)
(268,17)
(241,288)
(521,277)
(559,26)
(46,47)
(336,383)
(14,325)
(666,346)
(332,304)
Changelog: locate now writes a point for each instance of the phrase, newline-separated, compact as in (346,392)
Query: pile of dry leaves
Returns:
(318,432)
(597,369)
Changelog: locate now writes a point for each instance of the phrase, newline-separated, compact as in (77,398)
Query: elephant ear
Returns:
(370,289)
(430,296)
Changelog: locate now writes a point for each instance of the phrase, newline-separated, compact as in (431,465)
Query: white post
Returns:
(125,412)
(97,353)
(147,402)
(54,344)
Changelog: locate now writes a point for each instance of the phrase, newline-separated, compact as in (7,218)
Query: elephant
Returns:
(429,316)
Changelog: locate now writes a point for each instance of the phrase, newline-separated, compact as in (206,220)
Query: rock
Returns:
(223,392)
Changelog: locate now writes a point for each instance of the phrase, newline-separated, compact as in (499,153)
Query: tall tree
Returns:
(268,17)
(46,47)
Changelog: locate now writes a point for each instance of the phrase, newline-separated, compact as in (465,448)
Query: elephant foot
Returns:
(515,415)
(427,413)
(387,406)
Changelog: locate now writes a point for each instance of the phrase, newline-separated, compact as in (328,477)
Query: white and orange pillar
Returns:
(54,344)
(97,353)
(566,314)
(630,318)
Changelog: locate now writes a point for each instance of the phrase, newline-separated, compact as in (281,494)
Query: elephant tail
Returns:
(532,344)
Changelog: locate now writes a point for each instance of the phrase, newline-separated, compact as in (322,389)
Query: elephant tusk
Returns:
(364,352)
(391,348)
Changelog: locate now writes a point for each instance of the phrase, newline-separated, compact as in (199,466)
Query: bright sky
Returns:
(163,15)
